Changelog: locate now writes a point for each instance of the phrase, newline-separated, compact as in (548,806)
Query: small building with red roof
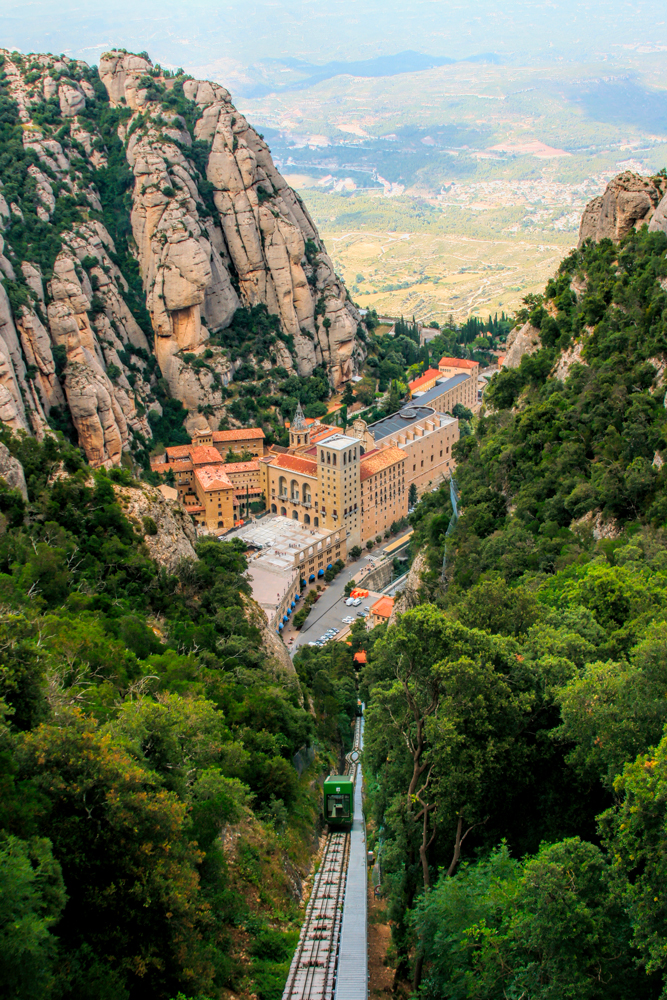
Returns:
(381,611)
(425,381)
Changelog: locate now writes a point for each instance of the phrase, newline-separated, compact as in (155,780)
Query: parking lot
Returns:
(329,613)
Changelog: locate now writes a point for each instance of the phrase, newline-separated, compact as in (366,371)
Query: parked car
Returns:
(356,602)
(361,614)
(312,644)
(350,601)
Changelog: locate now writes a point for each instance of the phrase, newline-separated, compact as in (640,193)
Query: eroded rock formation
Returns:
(207,218)
(629,201)
(521,340)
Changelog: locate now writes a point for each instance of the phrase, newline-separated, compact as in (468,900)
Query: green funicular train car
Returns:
(338,800)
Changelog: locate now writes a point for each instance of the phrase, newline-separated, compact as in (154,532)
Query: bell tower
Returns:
(299,432)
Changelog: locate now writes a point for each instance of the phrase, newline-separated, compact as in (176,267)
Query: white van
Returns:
(350,601)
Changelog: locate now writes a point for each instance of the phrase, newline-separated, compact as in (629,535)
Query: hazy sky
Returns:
(233,34)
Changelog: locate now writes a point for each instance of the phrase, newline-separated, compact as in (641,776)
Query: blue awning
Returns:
(288,613)
(311,577)
(284,619)
(280,627)
(297,597)
(329,566)
(292,606)
(320,572)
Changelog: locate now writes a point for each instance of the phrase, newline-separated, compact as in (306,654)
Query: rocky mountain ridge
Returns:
(139,212)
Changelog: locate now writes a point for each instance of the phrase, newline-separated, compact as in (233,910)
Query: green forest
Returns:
(154,828)
(515,753)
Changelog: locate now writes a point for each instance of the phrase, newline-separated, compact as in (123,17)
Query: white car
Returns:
(356,602)
(350,602)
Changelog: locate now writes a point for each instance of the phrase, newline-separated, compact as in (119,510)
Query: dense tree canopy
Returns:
(515,737)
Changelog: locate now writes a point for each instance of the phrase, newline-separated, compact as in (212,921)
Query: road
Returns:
(329,611)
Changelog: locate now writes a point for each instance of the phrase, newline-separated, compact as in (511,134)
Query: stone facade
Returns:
(447,392)
(384,493)
(426,438)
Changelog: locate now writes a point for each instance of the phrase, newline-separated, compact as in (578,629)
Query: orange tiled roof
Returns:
(295,463)
(160,466)
(194,508)
(323,432)
(426,377)
(360,657)
(377,461)
(457,363)
(241,434)
(178,451)
(384,607)
(185,466)
(204,454)
(231,467)
(213,477)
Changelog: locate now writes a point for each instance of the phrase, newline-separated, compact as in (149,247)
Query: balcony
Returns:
(294,500)
(307,503)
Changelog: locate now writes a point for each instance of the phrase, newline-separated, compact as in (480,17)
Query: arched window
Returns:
(317,522)
(306,520)
(295,515)
(282,486)
(283,512)
(294,490)
(305,493)
(274,509)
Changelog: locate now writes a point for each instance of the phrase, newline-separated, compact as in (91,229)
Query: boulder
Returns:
(658,223)
(521,340)
(12,472)
(628,201)
(176,536)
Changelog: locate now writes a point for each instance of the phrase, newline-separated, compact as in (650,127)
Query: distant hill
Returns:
(403,62)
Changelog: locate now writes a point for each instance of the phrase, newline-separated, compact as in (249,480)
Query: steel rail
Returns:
(312,974)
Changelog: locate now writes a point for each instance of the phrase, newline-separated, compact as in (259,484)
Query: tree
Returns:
(457,716)
(413,495)
(347,398)
(613,711)
(365,394)
(394,400)
(129,869)
(461,412)
(355,552)
(633,832)
(549,926)
(32,897)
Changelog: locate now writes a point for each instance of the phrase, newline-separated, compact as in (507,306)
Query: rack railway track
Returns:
(312,974)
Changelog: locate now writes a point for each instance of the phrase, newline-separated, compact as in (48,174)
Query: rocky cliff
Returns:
(629,201)
(139,215)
